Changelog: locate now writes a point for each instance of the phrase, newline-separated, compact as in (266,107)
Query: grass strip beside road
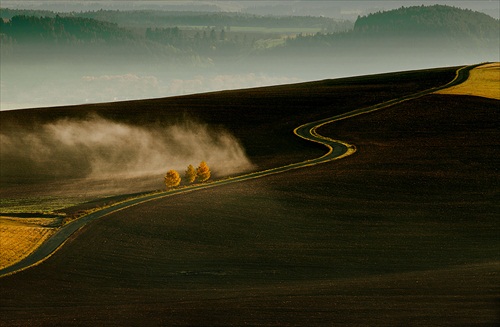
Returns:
(336,150)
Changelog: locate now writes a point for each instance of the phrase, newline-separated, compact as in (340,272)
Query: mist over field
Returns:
(73,53)
(97,148)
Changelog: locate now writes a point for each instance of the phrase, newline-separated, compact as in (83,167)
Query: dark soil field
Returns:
(403,232)
(262,119)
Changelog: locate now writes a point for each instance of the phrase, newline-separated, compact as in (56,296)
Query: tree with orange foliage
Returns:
(203,172)
(172,179)
(190,174)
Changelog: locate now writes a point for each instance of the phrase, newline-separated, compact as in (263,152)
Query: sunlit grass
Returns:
(19,237)
(42,204)
(484,81)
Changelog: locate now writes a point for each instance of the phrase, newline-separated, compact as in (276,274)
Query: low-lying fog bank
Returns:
(99,157)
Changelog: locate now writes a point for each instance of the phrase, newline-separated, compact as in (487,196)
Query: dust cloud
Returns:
(98,148)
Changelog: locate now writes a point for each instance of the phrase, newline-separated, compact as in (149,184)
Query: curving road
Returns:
(336,150)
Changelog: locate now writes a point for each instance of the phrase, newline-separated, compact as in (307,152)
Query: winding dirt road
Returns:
(336,150)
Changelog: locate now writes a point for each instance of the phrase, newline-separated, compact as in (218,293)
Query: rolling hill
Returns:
(409,35)
(429,21)
(269,115)
(403,232)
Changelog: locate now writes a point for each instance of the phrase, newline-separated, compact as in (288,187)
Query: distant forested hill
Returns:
(437,20)
(54,38)
(161,35)
(415,31)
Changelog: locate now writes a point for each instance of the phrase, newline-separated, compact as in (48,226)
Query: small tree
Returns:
(190,174)
(203,172)
(172,179)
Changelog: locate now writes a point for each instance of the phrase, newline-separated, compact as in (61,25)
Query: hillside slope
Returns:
(262,119)
(404,232)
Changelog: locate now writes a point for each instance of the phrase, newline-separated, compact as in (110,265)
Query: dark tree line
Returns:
(64,30)
(208,41)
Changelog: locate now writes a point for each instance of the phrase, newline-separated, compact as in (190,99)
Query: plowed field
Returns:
(403,232)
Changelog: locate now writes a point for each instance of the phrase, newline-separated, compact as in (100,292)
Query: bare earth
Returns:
(19,237)
(484,81)
(402,233)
